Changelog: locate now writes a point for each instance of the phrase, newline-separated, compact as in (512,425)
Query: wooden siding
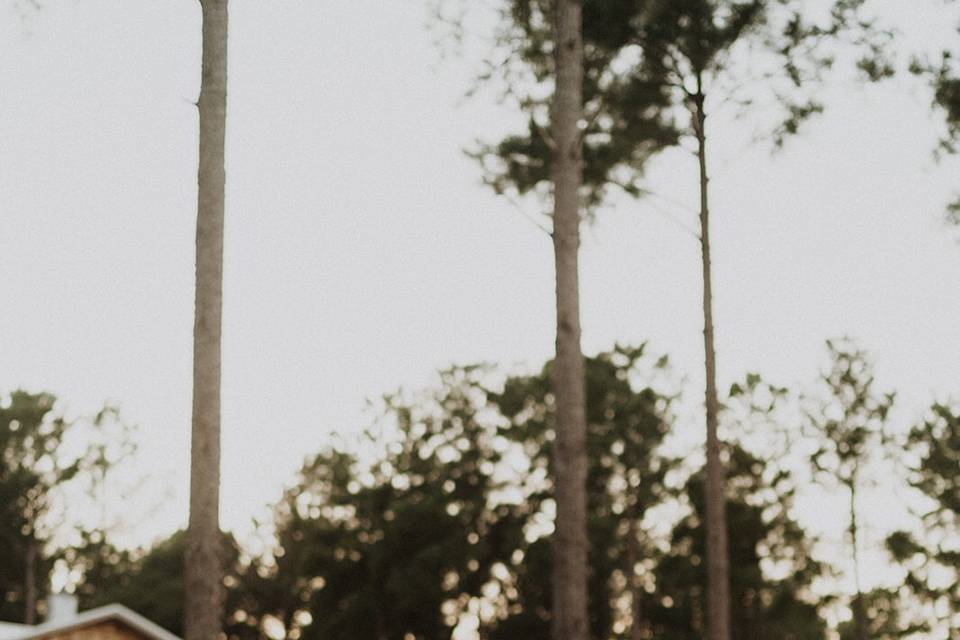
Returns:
(104,630)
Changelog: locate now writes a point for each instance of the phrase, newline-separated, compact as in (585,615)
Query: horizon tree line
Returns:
(452,490)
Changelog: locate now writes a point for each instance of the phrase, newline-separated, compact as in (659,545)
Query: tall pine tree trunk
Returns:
(718,560)
(204,565)
(570,459)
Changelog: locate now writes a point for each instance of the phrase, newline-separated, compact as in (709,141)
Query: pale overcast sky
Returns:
(362,252)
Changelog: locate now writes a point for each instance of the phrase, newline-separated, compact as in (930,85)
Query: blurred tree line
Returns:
(441,515)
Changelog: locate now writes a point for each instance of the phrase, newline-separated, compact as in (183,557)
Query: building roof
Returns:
(11,631)
(111,612)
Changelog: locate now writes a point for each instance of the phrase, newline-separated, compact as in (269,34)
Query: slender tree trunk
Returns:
(637,628)
(633,581)
(718,562)
(30,584)
(570,459)
(383,631)
(204,565)
(859,614)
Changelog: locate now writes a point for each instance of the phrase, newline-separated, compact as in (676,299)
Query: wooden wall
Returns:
(106,630)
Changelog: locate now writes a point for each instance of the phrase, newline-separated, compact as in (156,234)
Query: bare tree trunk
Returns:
(204,565)
(859,614)
(570,459)
(30,584)
(718,562)
(636,628)
(383,632)
(633,581)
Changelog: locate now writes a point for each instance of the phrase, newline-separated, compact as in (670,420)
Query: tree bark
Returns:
(861,629)
(569,608)
(633,581)
(718,562)
(204,565)
(30,584)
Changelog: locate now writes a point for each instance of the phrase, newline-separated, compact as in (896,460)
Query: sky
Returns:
(363,253)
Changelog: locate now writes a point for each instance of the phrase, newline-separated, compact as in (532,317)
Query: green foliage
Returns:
(446,506)
(764,541)
(149,581)
(444,512)
(769,54)
(46,461)
(771,566)
(943,75)
(626,117)
(849,427)
(938,438)
(890,617)
(374,548)
(947,97)
(850,423)
(626,424)
(25,431)
(944,79)
(953,213)
(648,67)
(946,82)
(932,557)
